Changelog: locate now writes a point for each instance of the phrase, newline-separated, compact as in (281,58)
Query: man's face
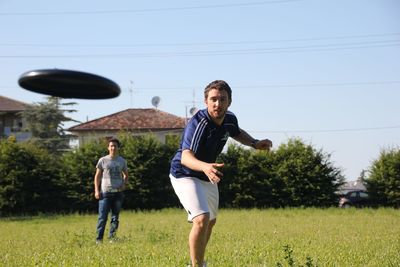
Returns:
(113,148)
(217,104)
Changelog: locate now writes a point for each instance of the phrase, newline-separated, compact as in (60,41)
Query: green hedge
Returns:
(384,180)
(294,175)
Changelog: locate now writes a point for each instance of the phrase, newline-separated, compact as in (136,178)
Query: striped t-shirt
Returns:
(205,139)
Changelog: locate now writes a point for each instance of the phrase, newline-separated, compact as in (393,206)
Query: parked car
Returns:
(357,198)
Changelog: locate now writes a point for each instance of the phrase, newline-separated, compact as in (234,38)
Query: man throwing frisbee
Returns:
(194,173)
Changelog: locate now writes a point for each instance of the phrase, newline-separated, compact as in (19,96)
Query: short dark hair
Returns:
(220,85)
(114,140)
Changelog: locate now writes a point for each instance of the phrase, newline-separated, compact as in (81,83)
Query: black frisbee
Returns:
(69,84)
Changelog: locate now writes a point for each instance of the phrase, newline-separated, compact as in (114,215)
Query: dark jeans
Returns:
(107,202)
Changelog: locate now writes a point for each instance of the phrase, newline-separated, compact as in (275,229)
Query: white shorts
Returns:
(196,196)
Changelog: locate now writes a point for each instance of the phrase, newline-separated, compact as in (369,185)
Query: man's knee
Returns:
(202,220)
(212,223)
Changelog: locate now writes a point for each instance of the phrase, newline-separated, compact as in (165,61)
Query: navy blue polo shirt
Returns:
(205,139)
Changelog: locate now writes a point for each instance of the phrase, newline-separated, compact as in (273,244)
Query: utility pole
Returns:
(193,108)
(131,93)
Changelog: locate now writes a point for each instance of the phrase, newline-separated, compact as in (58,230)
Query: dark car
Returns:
(357,198)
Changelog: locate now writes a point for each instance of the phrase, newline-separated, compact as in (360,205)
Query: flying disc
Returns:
(69,84)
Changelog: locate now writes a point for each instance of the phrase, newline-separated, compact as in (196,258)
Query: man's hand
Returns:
(212,172)
(123,186)
(97,182)
(97,194)
(265,144)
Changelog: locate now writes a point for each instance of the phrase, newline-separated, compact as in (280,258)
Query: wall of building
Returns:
(12,124)
(87,137)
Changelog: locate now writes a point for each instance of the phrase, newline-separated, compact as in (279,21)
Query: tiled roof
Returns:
(133,119)
(8,104)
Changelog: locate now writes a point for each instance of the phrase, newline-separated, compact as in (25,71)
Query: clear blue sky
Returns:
(324,71)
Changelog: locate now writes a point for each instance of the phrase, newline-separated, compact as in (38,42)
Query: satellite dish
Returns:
(155,101)
(193,111)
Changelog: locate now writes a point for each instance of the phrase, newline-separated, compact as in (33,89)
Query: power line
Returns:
(146,10)
(272,50)
(265,86)
(306,85)
(322,84)
(202,43)
(330,130)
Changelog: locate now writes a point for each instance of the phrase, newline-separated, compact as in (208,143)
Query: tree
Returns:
(149,186)
(77,175)
(46,120)
(148,167)
(230,184)
(28,179)
(383,182)
(248,179)
(295,174)
(259,187)
(308,175)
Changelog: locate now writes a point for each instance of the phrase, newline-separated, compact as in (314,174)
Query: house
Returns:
(135,121)
(354,186)
(357,185)
(11,121)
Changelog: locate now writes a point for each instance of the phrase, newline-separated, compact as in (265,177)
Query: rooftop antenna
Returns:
(155,101)
(193,109)
(194,98)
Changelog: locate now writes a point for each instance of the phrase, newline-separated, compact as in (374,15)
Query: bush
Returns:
(295,174)
(383,182)
(308,176)
(148,165)
(28,179)
(77,176)
(148,160)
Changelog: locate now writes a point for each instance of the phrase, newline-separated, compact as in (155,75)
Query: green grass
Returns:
(282,237)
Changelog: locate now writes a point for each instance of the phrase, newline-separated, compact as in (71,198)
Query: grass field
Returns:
(281,237)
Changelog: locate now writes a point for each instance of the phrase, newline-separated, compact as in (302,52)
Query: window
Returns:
(17,125)
(353,194)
